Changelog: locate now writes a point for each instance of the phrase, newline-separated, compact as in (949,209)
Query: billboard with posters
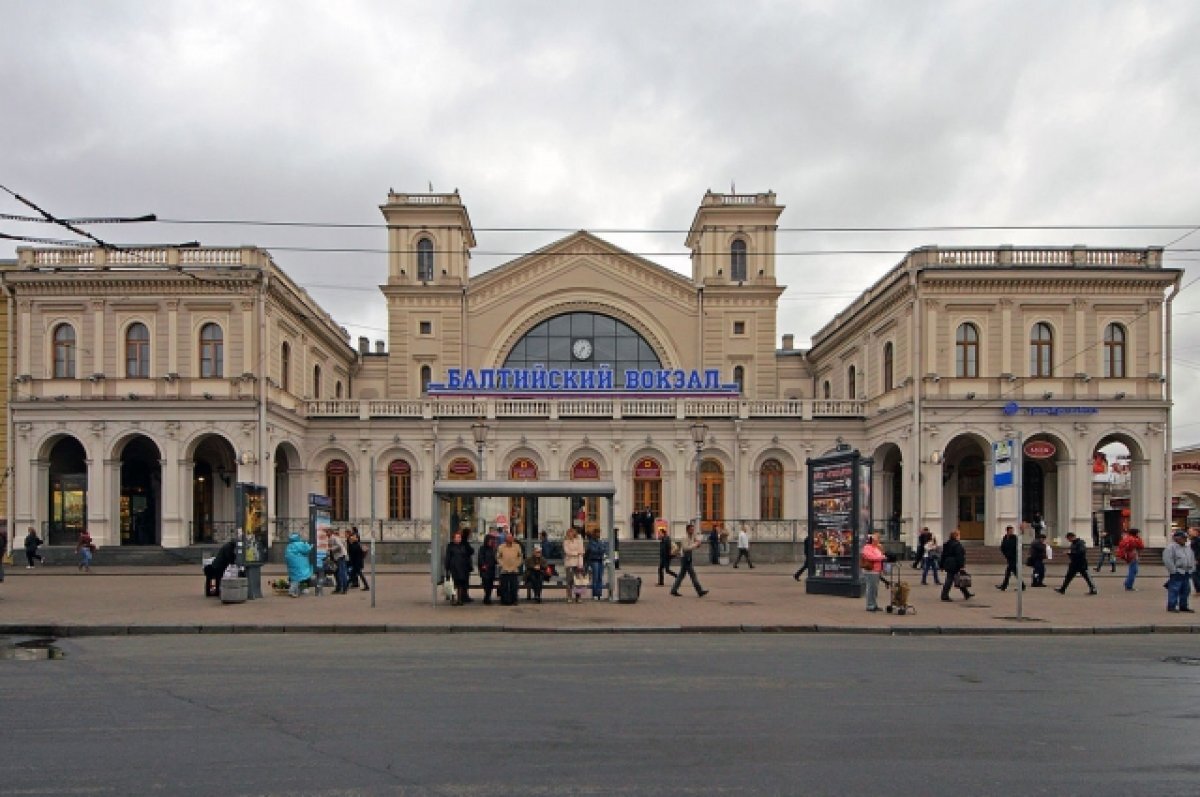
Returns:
(839,517)
(320,522)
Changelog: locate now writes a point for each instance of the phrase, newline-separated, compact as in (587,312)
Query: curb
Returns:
(63,631)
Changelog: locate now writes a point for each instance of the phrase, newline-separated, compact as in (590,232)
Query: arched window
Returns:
(647,485)
(337,389)
(966,351)
(739,378)
(737,261)
(770,490)
(425,260)
(888,365)
(1041,350)
(1114,351)
(426,377)
(399,490)
(137,351)
(64,351)
(826,390)
(212,351)
(337,475)
(583,340)
(316,381)
(712,495)
(851,383)
(285,366)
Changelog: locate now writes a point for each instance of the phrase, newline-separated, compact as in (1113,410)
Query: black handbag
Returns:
(962,579)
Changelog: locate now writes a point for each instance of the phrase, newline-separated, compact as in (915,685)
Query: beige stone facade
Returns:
(136,429)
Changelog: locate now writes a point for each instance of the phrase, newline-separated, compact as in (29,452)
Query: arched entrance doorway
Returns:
(68,483)
(461,509)
(522,510)
(712,495)
(140,492)
(647,485)
(214,467)
(1042,489)
(1118,478)
(889,490)
(964,485)
(585,510)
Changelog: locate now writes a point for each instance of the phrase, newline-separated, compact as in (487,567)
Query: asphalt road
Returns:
(484,714)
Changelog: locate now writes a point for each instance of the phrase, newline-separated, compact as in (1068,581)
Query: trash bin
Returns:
(233,590)
(628,589)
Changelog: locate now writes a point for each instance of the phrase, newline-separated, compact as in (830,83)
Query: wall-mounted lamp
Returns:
(1120,394)
(1048,395)
(971,396)
(1082,377)
(95,377)
(208,396)
(226,479)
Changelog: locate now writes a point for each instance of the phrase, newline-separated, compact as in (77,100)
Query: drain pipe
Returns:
(10,427)
(1168,437)
(918,446)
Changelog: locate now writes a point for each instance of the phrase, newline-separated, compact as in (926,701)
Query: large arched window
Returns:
(337,475)
(64,351)
(425,260)
(966,351)
(316,381)
(584,341)
(399,490)
(212,351)
(285,366)
(888,366)
(1114,351)
(712,495)
(137,351)
(737,261)
(851,383)
(1041,350)
(770,490)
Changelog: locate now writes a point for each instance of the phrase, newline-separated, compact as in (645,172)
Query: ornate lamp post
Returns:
(479,430)
(699,435)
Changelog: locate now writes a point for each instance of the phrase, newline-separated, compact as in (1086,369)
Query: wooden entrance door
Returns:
(972,503)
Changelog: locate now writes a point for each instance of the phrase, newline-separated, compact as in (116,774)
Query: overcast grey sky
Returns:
(588,115)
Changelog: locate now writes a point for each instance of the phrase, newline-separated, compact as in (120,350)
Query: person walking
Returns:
(1180,562)
(666,548)
(341,559)
(714,546)
(1077,565)
(808,553)
(354,548)
(1129,550)
(32,543)
(922,541)
(596,552)
(458,566)
(871,560)
(690,543)
(509,559)
(954,561)
(931,555)
(299,565)
(486,561)
(573,561)
(3,550)
(743,546)
(1010,546)
(1194,544)
(1037,560)
(84,549)
(1108,545)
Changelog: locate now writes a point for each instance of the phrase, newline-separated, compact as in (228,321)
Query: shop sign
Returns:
(337,467)
(1040,449)
(399,467)
(542,380)
(461,468)
(1013,408)
(585,469)
(523,470)
(647,468)
(1192,466)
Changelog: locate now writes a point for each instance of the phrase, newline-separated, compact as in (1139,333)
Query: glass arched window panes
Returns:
(770,490)
(739,378)
(888,365)
(316,381)
(826,390)
(1114,351)
(426,377)
(64,351)
(966,351)
(737,261)
(137,351)
(399,490)
(1041,350)
(336,477)
(285,366)
(337,389)
(712,495)
(212,351)
(584,341)
(851,383)
(425,260)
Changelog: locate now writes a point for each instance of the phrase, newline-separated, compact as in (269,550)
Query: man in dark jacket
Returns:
(1009,546)
(487,567)
(214,570)
(808,554)
(1077,565)
(922,540)
(664,555)
(954,559)
(1037,560)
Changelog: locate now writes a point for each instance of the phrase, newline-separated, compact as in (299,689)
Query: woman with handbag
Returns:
(573,563)
(458,566)
(954,562)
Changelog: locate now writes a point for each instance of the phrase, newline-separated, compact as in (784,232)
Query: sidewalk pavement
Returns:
(60,601)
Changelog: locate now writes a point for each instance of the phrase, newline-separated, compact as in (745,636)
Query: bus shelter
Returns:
(447,490)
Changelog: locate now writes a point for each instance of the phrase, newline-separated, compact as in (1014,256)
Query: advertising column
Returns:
(839,517)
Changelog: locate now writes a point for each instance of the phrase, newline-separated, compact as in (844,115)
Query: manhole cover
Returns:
(32,650)
(1192,660)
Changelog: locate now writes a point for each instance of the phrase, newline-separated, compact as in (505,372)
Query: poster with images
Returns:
(832,520)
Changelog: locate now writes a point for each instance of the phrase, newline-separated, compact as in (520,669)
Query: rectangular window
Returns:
(739,327)
(426,327)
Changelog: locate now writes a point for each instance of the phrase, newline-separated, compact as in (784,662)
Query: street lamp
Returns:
(699,435)
(479,430)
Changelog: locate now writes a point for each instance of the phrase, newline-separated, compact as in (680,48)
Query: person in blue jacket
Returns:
(298,563)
